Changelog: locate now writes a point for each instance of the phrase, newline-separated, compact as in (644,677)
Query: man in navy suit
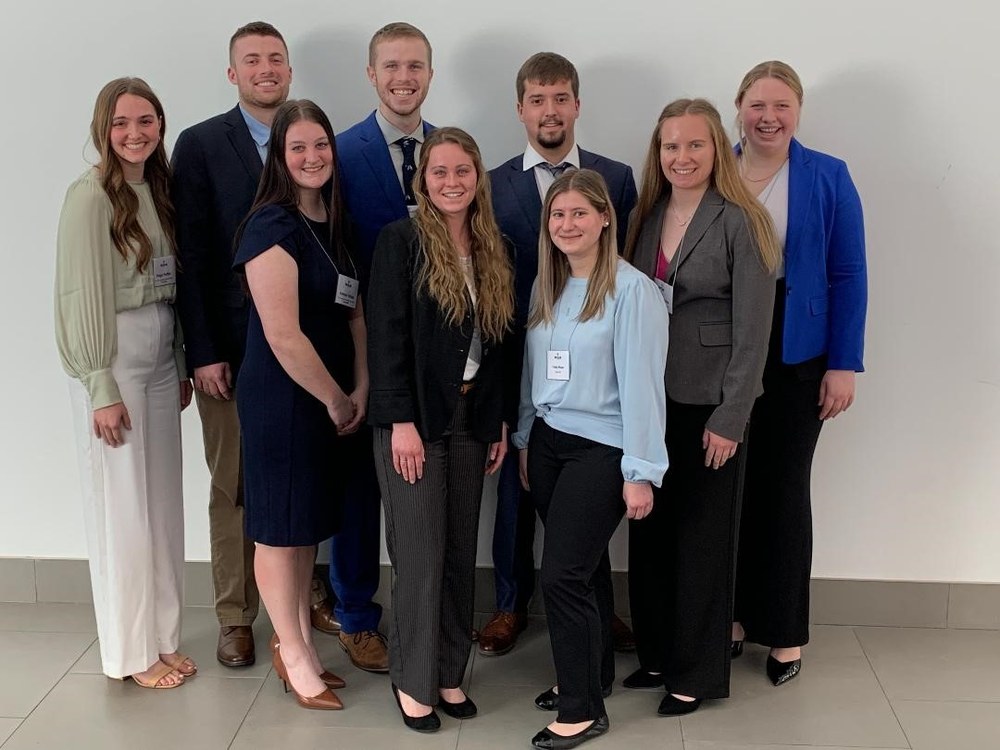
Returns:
(378,158)
(548,103)
(216,166)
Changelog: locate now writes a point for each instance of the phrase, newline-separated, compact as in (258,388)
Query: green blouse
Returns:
(94,283)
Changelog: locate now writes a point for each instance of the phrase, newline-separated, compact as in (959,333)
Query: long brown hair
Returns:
(553,267)
(127,234)
(441,275)
(725,180)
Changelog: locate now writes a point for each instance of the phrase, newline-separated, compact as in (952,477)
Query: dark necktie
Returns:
(556,169)
(409,146)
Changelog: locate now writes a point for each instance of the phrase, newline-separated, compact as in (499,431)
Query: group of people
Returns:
(374,318)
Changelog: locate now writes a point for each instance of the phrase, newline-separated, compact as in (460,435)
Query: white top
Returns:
(774,198)
(476,347)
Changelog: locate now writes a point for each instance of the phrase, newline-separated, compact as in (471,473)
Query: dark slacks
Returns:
(513,540)
(430,532)
(688,560)
(775,557)
(577,487)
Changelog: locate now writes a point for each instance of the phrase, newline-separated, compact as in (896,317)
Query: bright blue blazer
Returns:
(826,275)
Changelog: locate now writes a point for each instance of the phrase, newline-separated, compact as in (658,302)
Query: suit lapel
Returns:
(708,211)
(526,189)
(376,153)
(243,144)
(801,181)
(648,245)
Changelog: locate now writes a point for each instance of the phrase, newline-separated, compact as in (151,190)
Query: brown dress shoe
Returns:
(321,617)
(501,632)
(622,637)
(366,650)
(235,646)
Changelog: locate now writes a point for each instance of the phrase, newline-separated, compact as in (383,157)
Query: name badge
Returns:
(347,291)
(164,270)
(667,291)
(557,364)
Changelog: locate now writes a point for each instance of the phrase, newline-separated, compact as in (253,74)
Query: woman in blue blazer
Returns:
(817,342)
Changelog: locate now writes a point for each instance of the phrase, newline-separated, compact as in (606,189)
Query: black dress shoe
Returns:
(640,679)
(549,700)
(464,710)
(736,649)
(780,672)
(429,723)
(672,706)
(549,740)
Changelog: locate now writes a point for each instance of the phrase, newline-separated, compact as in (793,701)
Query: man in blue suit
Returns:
(548,103)
(378,158)
(216,166)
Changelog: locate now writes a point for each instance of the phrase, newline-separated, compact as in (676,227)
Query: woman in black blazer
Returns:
(440,303)
(710,248)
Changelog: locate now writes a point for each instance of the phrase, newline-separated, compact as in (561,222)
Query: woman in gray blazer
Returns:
(710,248)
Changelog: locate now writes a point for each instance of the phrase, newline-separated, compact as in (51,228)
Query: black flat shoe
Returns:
(549,740)
(549,700)
(671,706)
(736,649)
(464,710)
(429,723)
(640,679)
(780,672)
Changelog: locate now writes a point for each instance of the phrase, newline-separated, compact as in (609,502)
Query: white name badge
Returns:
(164,270)
(347,291)
(557,364)
(667,290)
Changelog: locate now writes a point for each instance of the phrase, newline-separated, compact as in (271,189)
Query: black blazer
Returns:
(723,301)
(416,357)
(216,169)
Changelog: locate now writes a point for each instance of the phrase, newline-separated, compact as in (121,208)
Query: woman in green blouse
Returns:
(118,340)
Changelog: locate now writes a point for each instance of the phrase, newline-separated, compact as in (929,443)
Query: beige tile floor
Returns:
(861,688)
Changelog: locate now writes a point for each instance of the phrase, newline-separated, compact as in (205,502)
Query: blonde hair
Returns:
(441,273)
(553,267)
(725,180)
(780,71)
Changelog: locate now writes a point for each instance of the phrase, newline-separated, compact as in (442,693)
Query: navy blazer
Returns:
(372,191)
(216,168)
(825,271)
(518,209)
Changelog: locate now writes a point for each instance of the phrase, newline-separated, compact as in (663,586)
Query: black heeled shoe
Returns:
(736,649)
(549,740)
(780,672)
(464,710)
(673,706)
(549,700)
(429,723)
(641,679)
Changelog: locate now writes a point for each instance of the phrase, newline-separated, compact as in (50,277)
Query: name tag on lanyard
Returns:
(557,364)
(347,291)
(667,292)
(164,270)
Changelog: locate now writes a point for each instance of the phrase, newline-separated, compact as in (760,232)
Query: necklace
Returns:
(744,166)
(681,221)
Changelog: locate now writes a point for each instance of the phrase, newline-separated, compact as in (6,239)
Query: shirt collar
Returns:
(392,134)
(260,132)
(532,158)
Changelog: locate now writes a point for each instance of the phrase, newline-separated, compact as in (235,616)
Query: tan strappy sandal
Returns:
(156,674)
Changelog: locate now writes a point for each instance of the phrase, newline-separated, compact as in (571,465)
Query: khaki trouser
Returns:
(236,597)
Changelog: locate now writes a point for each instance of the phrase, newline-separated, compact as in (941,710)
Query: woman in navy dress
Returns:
(303,382)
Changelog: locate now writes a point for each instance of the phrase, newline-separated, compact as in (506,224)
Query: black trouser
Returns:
(775,558)
(681,566)
(430,533)
(577,487)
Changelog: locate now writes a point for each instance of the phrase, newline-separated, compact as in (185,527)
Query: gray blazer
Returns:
(723,301)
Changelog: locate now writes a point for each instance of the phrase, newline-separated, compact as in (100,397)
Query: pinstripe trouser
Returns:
(431,530)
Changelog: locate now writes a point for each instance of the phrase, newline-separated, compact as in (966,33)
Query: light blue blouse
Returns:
(615,392)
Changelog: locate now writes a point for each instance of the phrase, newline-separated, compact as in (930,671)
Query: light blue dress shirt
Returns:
(260,133)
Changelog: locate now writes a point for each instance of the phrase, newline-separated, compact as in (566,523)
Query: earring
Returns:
(607,223)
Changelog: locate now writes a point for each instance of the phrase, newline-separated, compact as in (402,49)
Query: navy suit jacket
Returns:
(825,270)
(518,209)
(371,186)
(216,168)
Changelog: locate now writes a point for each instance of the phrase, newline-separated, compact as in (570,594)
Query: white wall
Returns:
(906,484)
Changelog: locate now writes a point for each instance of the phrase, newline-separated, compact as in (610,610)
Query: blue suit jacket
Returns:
(216,169)
(371,187)
(518,209)
(825,271)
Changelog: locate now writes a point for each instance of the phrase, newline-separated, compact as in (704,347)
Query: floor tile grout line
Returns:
(249,709)
(881,687)
(2,744)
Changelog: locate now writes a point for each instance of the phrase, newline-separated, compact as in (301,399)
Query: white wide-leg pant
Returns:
(133,501)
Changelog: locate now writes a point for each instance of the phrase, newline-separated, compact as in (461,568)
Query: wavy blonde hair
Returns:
(553,267)
(725,180)
(441,273)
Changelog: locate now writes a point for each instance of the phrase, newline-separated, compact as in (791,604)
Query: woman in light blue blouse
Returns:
(593,415)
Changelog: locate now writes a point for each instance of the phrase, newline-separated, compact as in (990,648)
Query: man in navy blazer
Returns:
(377,159)
(548,103)
(216,166)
